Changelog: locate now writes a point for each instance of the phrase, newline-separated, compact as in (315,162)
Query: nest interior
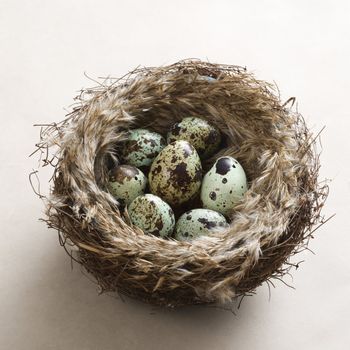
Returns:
(274,220)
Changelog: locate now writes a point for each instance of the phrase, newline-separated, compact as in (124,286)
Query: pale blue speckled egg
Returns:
(152,215)
(224,185)
(202,135)
(141,147)
(197,222)
(126,182)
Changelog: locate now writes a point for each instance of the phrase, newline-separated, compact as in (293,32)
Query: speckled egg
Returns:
(152,215)
(126,182)
(223,185)
(142,146)
(198,222)
(204,137)
(176,173)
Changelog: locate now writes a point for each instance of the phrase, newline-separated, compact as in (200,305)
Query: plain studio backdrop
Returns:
(47,46)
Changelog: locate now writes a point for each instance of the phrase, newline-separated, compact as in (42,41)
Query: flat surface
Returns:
(46,46)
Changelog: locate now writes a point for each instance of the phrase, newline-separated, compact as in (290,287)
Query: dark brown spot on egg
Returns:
(151,141)
(156,170)
(174,159)
(140,158)
(212,195)
(224,180)
(223,166)
(188,217)
(180,175)
(207,223)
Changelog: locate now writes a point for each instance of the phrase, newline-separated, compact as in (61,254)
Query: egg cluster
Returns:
(175,180)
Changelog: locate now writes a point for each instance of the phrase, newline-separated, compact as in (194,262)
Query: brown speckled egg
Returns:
(152,215)
(198,222)
(126,182)
(204,137)
(176,173)
(142,146)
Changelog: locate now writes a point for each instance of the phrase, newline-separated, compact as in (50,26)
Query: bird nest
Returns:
(274,220)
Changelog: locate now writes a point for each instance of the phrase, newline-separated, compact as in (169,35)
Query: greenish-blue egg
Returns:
(126,182)
(202,135)
(224,185)
(152,215)
(198,222)
(141,147)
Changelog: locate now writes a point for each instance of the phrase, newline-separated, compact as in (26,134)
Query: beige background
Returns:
(46,46)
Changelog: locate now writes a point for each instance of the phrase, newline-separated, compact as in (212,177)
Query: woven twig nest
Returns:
(273,221)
